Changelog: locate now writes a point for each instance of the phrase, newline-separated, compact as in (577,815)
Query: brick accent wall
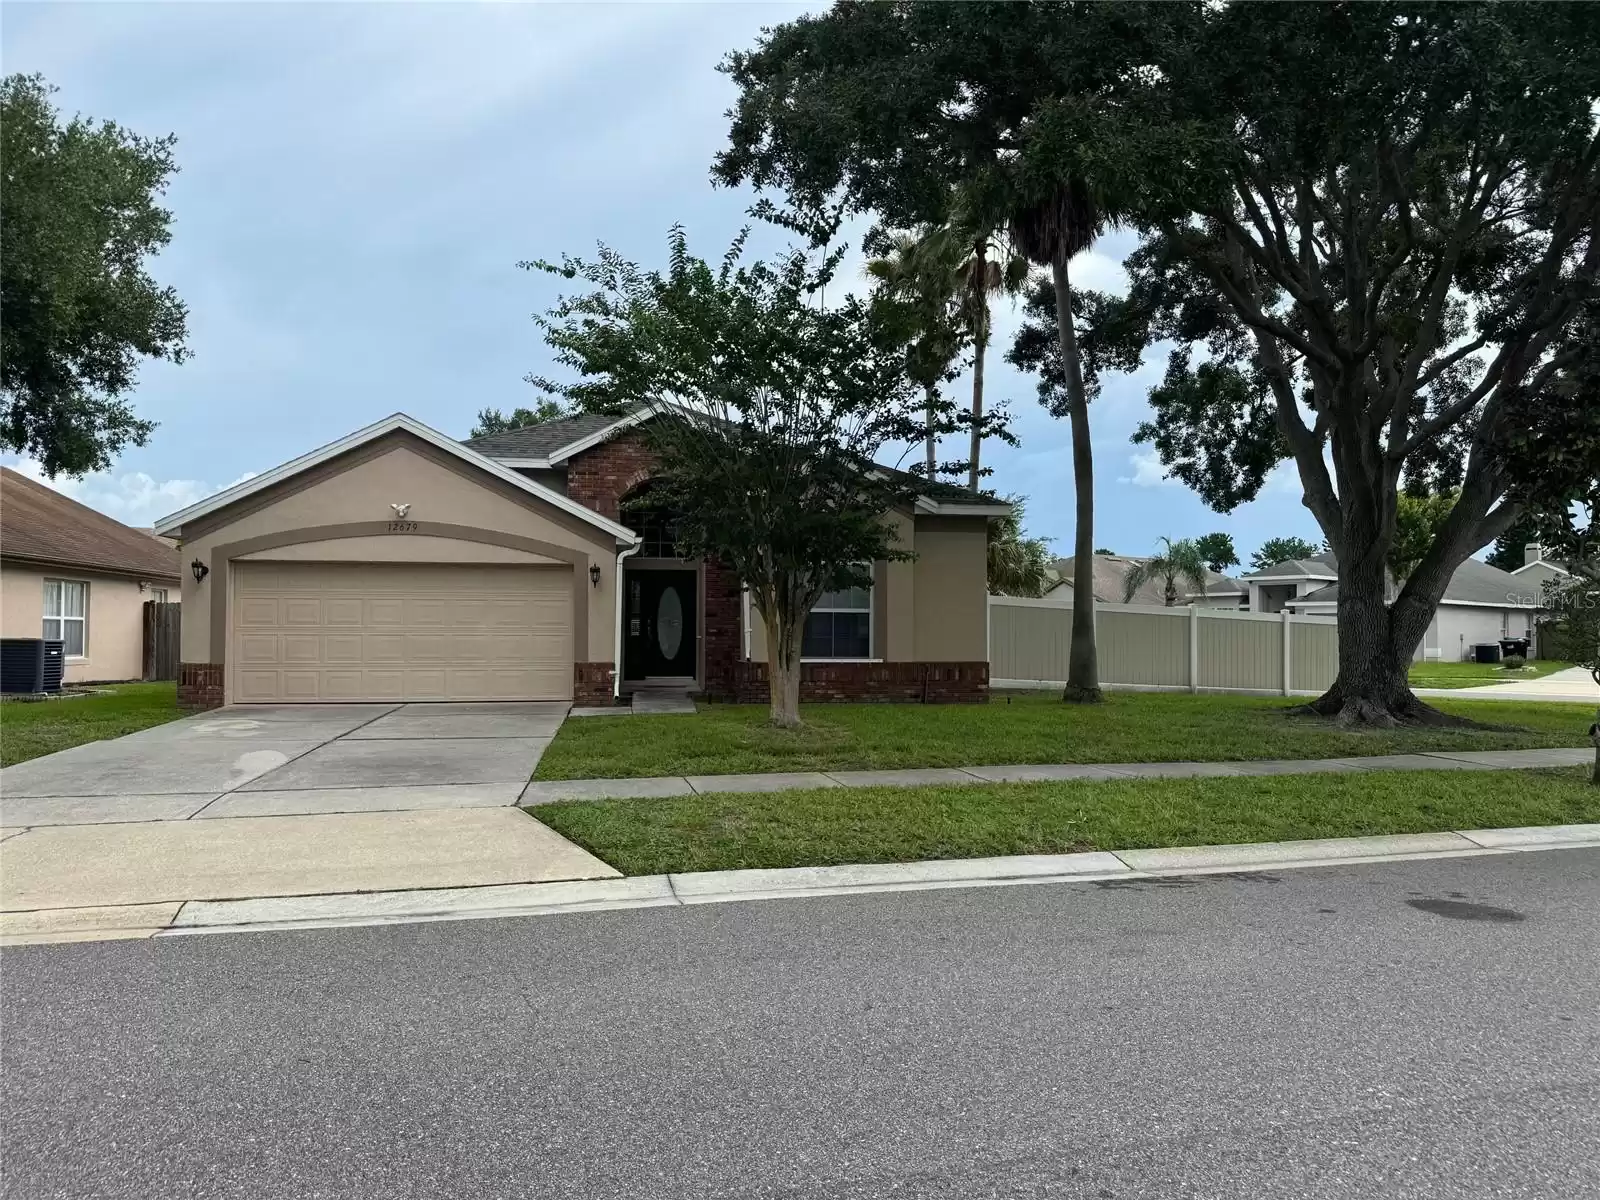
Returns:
(894,682)
(724,635)
(599,477)
(592,684)
(200,685)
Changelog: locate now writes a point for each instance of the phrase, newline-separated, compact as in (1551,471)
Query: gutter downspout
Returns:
(616,655)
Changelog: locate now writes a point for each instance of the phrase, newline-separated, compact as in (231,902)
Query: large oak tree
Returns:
(1378,273)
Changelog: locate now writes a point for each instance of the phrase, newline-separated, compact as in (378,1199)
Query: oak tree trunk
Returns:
(783,673)
(1376,645)
(1083,668)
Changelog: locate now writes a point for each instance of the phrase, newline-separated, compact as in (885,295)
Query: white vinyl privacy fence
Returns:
(1165,649)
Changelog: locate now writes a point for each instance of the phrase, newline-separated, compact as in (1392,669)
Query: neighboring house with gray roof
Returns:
(1110,570)
(1537,571)
(1481,604)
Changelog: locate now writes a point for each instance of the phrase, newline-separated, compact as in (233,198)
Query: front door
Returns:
(660,625)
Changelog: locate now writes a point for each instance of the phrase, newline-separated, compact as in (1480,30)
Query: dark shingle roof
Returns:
(540,441)
(42,525)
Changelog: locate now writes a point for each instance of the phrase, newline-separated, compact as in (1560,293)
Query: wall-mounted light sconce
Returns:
(200,570)
(594,574)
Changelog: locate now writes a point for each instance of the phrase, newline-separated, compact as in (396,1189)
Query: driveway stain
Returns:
(1464,910)
(254,763)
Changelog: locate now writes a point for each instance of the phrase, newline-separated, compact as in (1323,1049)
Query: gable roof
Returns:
(40,524)
(551,443)
(538,443)
(389,424)
(1323,566)
(1110,570)
(1475,584)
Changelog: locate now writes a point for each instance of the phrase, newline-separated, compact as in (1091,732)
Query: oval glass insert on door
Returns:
(669,623)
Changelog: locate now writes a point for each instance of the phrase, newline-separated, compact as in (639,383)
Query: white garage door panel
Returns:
(391,631)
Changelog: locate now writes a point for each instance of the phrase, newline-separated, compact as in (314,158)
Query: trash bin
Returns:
(1510,646)
(1486,652)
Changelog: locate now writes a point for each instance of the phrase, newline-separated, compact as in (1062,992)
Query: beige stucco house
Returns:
(72,574)
(400,564)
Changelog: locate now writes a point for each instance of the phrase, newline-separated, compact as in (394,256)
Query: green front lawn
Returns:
(1128,727)
(1466,674)
(29,728)
(829,826)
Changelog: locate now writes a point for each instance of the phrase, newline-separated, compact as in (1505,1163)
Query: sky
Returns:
(358,182)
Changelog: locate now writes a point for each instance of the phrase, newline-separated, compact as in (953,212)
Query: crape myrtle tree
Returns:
(1381,263)
(1029,119)
(79,204)
(766,411)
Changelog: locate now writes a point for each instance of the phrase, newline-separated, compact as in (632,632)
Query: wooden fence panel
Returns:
(161,638)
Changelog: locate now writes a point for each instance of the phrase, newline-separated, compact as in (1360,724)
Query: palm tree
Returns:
(919,296)
(1050,232)
(1180,560)
(1018,565)
(982,265)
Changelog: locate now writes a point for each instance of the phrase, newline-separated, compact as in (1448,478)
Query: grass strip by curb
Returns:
(832,826)
(1033,728)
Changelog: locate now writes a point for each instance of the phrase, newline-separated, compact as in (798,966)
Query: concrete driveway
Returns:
(299,759)
(1572,684)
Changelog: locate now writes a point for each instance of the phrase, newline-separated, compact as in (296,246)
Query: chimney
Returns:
(1531,553)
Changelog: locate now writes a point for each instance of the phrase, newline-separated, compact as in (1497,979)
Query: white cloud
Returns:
(132,497)
(1147,471)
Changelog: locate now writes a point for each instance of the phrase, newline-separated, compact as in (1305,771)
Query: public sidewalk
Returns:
(552,791)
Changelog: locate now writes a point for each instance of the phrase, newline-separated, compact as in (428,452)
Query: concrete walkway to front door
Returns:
(252,761)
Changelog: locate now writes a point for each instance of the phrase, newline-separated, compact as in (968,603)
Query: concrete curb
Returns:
(721,887)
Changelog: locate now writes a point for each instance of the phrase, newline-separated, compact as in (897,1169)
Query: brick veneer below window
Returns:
(592,683)
(928,682)
(200,685)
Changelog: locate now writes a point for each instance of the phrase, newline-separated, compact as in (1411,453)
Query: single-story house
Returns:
(1481,603)
(1110,571)
(401,564)
(72,574)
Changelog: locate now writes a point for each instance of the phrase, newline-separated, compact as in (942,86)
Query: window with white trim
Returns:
(66,615)
(159,595)
(839,626)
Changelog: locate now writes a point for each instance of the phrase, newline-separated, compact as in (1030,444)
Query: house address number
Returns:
(404,526)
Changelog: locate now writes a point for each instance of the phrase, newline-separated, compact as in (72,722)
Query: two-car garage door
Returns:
(307,631)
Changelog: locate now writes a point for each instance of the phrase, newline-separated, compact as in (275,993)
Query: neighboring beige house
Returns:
(70,573)
(1111,570)
(400,564)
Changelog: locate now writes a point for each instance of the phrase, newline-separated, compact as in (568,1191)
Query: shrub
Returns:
(1514,662)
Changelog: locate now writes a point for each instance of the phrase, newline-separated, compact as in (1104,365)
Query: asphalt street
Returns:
(1416,1029)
